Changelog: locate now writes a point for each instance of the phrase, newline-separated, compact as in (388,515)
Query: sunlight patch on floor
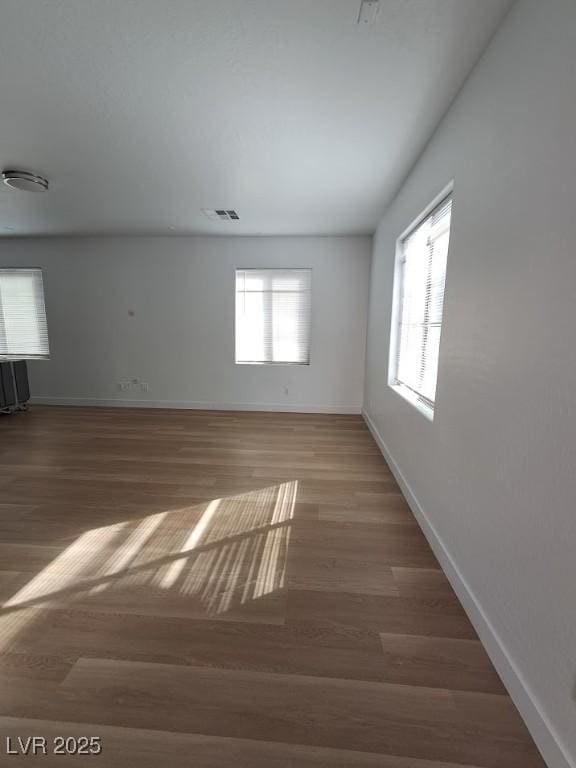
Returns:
(212,557)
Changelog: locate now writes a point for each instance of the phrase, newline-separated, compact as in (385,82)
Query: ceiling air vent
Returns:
(220,215)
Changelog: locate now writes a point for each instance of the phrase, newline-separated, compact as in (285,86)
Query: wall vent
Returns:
(220,214)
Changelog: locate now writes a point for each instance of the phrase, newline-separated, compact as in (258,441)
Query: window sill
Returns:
(255,362)
(410,397)
(19,358)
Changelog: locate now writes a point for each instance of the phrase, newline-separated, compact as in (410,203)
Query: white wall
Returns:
(495,472)
(181,337)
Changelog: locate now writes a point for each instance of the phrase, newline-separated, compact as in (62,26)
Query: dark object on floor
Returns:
(14,387)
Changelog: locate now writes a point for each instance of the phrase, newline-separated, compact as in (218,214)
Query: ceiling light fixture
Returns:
(25,181)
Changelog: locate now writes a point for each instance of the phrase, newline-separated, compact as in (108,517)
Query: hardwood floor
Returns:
(231,589)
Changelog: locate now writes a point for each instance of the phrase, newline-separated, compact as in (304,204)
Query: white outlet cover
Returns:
(368,11)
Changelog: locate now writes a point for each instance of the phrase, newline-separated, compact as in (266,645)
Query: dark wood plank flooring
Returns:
(231,589)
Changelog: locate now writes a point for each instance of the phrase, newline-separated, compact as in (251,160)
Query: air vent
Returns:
(220,215)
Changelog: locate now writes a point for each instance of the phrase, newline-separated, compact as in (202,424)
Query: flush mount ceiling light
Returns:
(25,181)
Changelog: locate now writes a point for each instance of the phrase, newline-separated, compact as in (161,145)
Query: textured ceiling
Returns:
(142,112)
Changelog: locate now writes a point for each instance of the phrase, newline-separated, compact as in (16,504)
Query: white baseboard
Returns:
(543,733)
(193,405)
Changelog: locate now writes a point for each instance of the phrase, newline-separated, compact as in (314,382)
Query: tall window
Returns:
(273,315)
(420,277)
(23,329)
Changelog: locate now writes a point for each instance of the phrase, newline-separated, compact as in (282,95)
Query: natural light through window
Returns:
(216,559)
(23,329)
(273,308)
(419,300)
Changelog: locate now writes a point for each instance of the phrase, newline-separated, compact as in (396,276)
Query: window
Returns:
(23,329)
(419,299)
(273,316)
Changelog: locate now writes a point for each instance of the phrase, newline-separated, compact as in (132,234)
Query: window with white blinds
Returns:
(273,308)
(23,329)
(421,272)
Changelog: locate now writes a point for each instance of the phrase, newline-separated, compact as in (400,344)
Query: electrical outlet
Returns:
(144,386)
(124,386)
(285,390)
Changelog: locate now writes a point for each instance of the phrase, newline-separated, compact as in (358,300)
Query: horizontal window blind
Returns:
(23,328)
(273,308)
(423,254)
